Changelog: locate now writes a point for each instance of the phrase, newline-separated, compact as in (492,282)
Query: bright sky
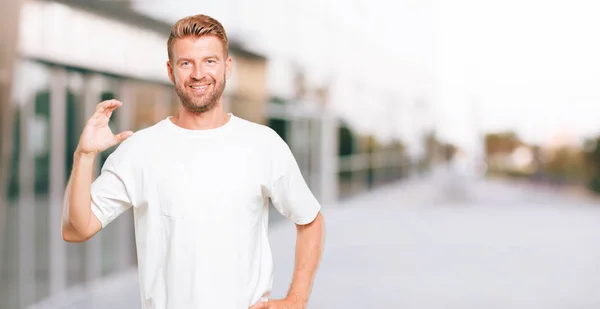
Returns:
(528,65)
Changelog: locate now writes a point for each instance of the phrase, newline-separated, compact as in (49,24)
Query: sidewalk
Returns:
(577,192)
(121,290)
(435,242)
(487,249)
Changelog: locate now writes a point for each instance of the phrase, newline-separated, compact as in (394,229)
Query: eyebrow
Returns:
(215,56)
(212,56)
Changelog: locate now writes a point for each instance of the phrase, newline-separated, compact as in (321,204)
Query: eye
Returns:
(185,63)
(211,61)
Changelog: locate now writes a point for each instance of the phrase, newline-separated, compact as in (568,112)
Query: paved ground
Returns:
(456,243)
(443,242)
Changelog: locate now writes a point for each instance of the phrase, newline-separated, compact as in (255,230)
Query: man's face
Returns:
(198,70)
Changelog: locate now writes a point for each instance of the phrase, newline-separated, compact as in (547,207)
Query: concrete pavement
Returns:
(446,241)
(455,243)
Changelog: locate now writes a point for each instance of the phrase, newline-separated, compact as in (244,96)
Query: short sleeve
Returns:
(110,196)
(289,192)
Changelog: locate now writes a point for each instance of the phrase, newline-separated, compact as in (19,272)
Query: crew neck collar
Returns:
(203,132)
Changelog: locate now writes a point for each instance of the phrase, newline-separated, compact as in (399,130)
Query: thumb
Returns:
(122,136)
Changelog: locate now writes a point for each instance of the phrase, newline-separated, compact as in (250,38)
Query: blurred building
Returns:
(61,58)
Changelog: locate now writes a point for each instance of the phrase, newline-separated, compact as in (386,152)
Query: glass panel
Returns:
(109,235)
(301,146)
(39,138)
(9,261)
(25,262)
(280,126)
(74,125)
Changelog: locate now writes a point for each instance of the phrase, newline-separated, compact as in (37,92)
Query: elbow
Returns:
(70,235)
(67,238)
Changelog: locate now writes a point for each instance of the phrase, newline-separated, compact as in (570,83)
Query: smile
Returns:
(199,89)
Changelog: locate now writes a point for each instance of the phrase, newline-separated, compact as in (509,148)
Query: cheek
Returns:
(218,76)
(179,77)
(217,73)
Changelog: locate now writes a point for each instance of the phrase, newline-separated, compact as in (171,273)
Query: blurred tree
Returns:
(566,165)
(432,146)
(372,146)
(501,143)
(450,151)
(278,100)
(592,160)
(437,150)
(346,141)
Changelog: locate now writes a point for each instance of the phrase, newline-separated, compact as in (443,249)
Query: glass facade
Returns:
(52,104)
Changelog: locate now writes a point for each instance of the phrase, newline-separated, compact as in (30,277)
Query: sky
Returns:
(530,66)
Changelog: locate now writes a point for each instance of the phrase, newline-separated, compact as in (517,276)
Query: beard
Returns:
(200,104)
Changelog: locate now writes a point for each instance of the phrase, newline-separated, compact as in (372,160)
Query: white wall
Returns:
(58,33)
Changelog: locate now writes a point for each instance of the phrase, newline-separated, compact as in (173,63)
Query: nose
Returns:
(198,72)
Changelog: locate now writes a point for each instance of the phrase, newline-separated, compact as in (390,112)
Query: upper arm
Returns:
(109,198)
(111,193)
(289,192)
(71,235)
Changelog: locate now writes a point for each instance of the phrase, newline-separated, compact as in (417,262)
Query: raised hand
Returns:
(97,136)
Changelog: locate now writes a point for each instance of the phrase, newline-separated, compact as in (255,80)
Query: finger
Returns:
(109,111)
(100,107)
(123,136)
(111,107)
(106,107)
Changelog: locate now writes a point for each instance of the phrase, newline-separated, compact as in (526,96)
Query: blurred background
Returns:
(454,145)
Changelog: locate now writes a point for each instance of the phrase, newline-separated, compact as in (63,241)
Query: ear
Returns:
(228,66)
(170,71)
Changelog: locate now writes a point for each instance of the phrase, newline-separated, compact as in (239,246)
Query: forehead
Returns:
(192,47)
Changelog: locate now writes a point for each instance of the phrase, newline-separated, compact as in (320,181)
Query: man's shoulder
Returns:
(141,140)
(145,134)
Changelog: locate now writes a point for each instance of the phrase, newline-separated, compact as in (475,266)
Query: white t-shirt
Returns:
(200,200)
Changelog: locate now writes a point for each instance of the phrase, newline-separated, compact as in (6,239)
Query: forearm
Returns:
(309,249)
(77,204)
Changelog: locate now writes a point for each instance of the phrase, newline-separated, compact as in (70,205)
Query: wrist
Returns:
(298,299)
(84,156)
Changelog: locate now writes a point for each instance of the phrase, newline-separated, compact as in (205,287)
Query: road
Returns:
(455,243)
(445,241)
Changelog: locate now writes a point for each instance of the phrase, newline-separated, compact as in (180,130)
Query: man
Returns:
(199,184)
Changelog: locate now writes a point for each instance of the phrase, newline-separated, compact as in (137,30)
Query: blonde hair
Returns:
(197,26)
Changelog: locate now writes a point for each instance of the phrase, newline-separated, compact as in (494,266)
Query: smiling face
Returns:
(198,68)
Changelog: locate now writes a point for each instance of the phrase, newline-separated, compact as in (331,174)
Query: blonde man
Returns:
(199,184)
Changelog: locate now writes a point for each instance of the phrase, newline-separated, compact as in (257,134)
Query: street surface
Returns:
(455,243)
(444,241)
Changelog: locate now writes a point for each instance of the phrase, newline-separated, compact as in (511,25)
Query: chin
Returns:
(200,108)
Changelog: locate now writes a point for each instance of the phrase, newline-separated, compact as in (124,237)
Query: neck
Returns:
(211,119)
